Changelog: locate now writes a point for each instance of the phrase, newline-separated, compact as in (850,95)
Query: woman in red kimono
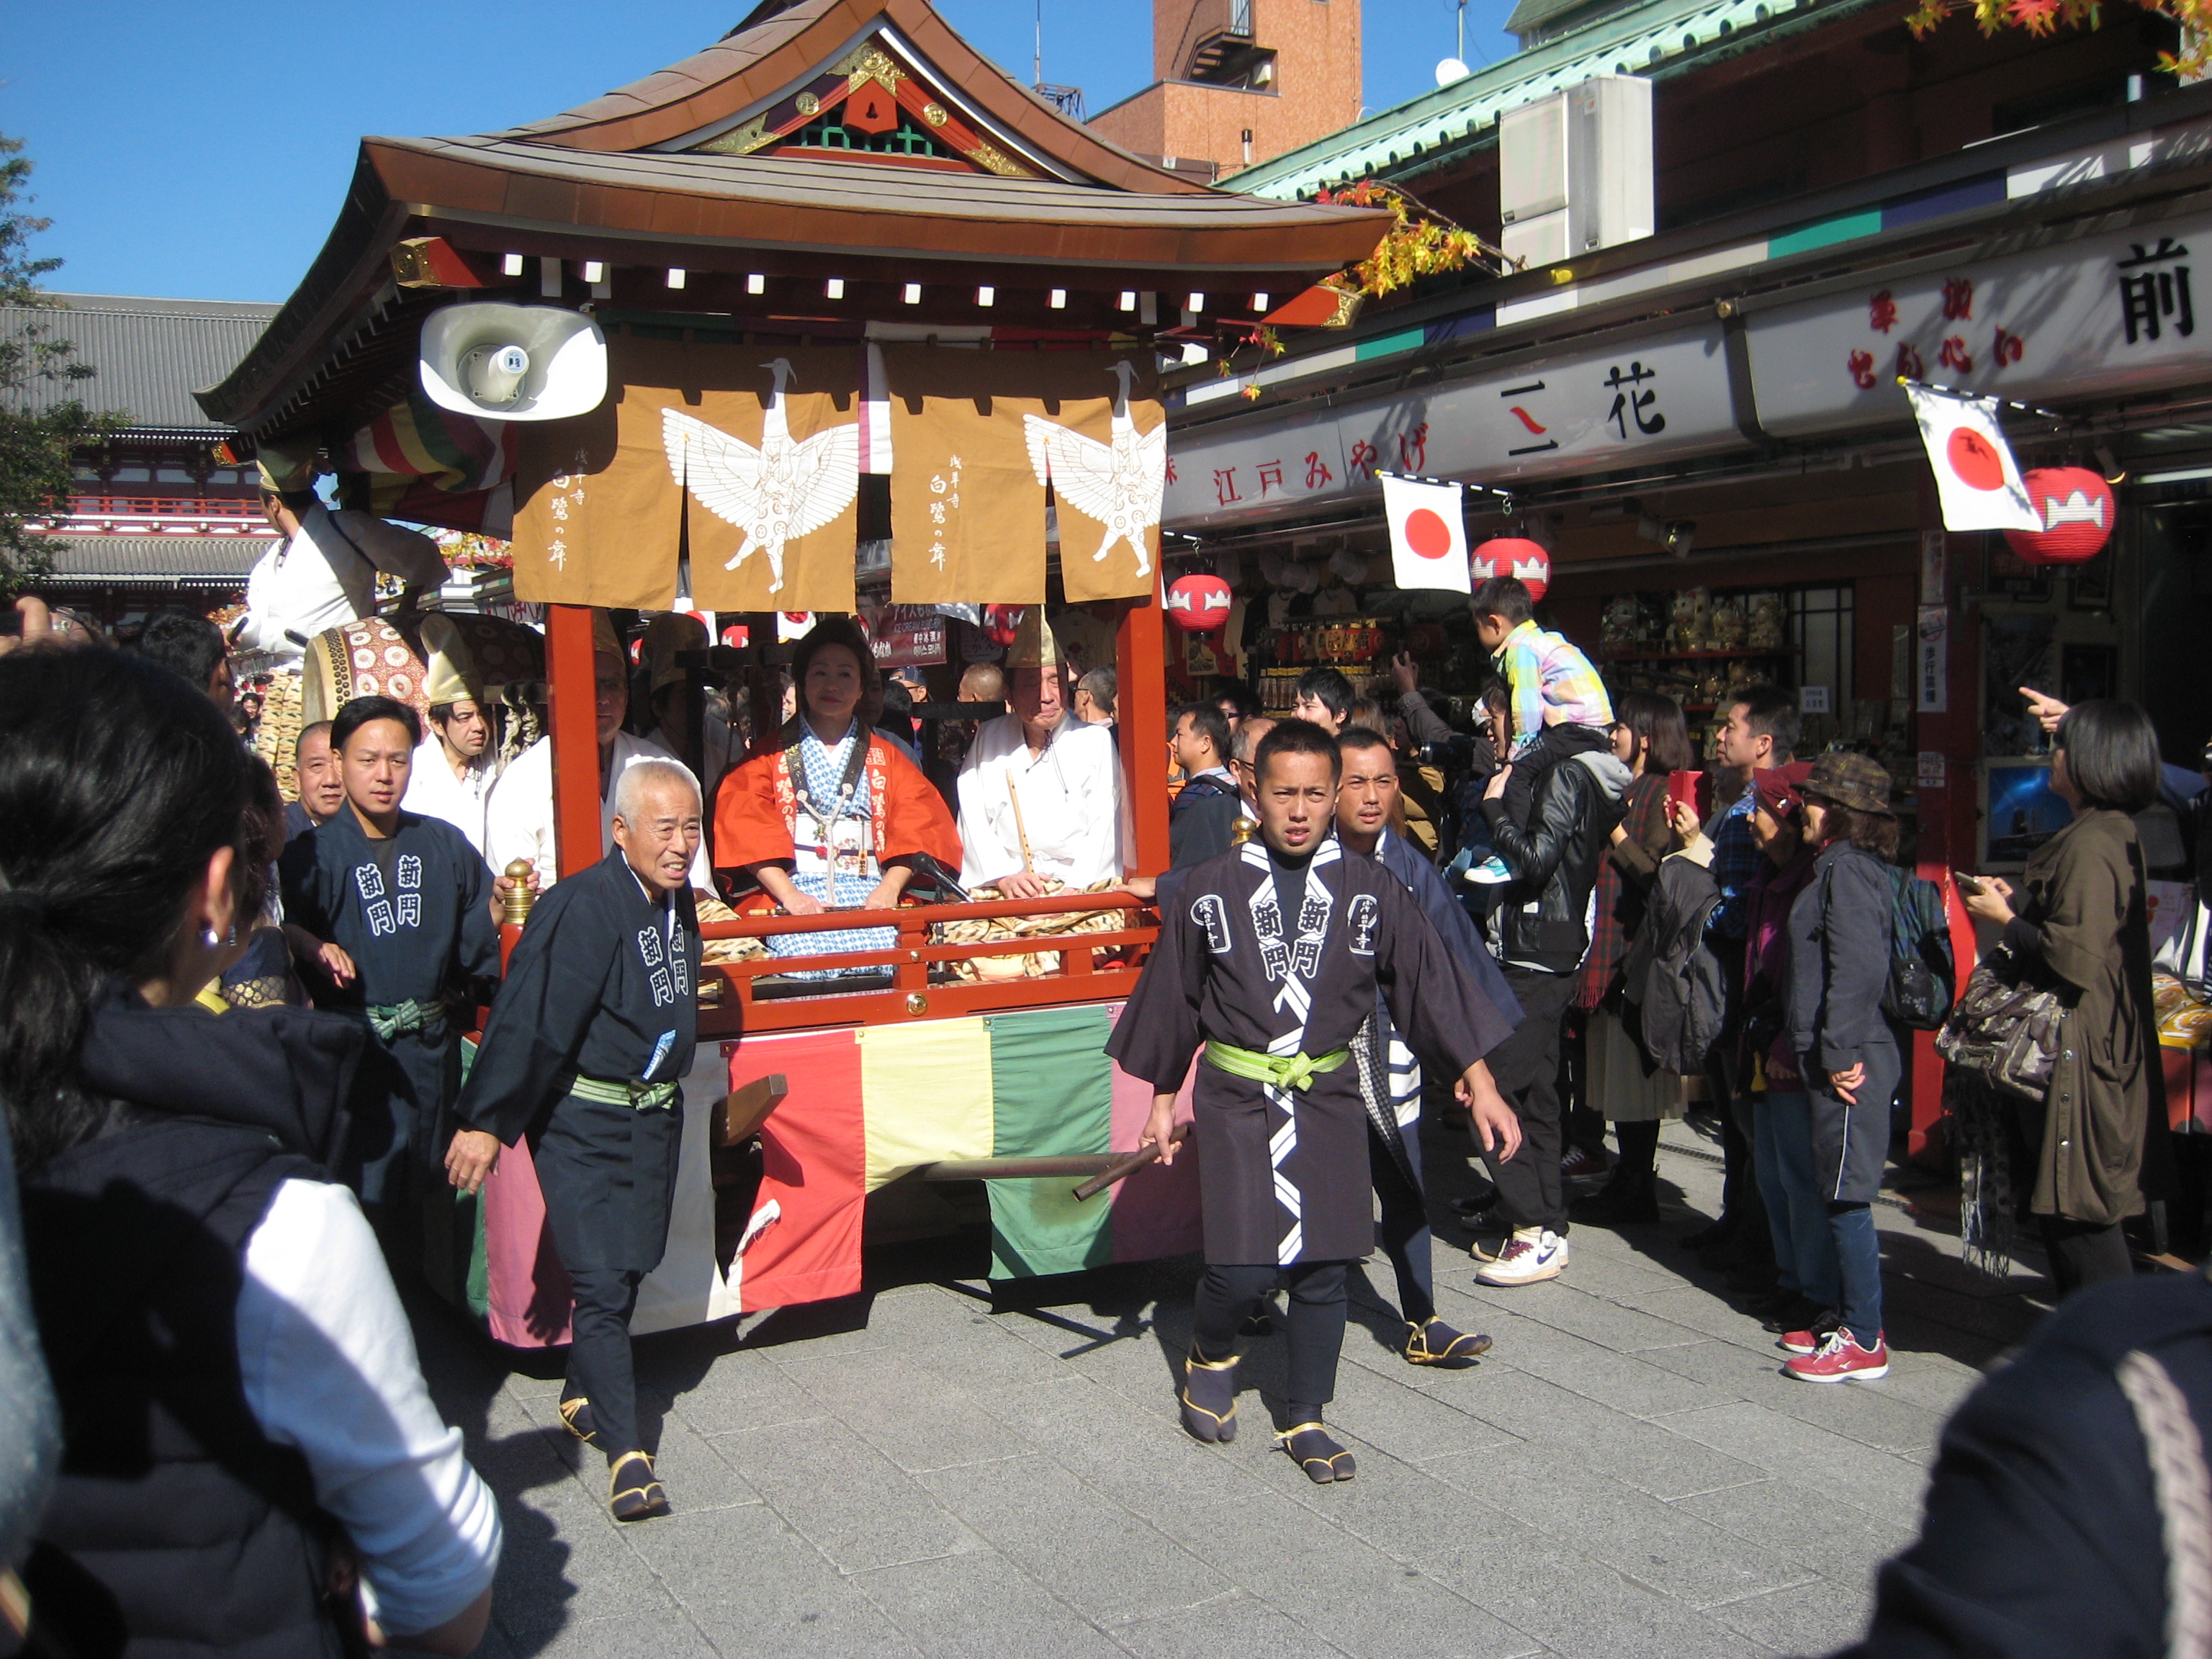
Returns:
(831,817)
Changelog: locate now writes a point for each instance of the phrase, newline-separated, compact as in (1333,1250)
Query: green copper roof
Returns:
(1653,37)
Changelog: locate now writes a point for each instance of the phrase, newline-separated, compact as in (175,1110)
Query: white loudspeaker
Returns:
(502,363)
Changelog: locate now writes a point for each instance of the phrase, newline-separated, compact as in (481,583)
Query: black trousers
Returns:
(1227,1294)
(1525,1067)
(599,1366)
(2084,1252)
(1404,1232)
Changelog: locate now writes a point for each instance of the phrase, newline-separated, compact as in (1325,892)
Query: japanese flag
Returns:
(1428,533)
(1976,479)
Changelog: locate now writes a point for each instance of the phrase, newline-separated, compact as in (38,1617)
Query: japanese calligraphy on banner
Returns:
(906,636)
(2103,314)
(975,435)
(762,459)
(1662,396)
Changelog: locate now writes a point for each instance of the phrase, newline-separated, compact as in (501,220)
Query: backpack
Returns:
(1923,976)
(1674,987)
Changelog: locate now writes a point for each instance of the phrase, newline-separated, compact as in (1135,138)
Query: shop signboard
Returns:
(2093,316)
(907,636)
(1623,405)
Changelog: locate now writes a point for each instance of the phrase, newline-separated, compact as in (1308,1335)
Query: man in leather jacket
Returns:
(1539,932)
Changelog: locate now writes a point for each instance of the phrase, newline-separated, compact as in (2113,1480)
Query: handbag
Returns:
(2005,1028)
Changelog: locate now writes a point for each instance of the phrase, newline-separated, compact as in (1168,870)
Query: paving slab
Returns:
(944,1467)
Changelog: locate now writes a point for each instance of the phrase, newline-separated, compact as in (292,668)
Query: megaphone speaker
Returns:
(502,363)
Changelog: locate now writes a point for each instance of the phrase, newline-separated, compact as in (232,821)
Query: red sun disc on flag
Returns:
(1973,460)
(1426,534)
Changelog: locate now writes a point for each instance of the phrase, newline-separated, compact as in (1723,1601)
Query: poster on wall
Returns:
(2016,651)
(1932,672)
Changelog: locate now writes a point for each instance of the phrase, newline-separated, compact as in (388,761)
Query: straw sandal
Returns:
(576,1415)
(1209,1398)
(634,1493)
(1313,1450)
(1435,1343)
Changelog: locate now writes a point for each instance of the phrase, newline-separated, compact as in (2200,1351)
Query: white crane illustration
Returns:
(775,494)
(1119,482)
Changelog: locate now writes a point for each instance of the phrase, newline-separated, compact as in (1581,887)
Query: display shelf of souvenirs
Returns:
(1691,622)
(1332,641)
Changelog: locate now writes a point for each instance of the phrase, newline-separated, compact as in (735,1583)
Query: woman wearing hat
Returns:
(2080,920)
(1838,940)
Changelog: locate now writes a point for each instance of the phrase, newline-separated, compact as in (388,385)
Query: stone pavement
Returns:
(920,1471)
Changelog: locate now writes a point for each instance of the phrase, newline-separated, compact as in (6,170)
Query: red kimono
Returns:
(756,810)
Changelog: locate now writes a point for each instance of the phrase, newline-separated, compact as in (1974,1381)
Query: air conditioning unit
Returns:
(1574,170)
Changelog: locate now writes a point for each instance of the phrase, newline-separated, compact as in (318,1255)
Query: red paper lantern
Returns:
(1002,622)
(1200,603)
(1513,555)
(2076,505)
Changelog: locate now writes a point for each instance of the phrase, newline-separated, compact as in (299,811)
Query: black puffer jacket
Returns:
(1542,918)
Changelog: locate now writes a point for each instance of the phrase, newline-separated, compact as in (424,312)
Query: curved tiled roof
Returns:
(150,355)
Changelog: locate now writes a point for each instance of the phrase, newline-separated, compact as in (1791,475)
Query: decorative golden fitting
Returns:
(916,1002)
(522,894)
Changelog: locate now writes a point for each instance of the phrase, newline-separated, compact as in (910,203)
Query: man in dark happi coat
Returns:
(404,906)
(1389,1075)
(1271,956)
(585,1053)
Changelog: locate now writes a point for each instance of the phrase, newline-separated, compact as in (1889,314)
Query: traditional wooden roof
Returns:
(860,139)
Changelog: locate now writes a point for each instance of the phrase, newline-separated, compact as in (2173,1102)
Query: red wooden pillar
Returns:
(575,733)
(1950,745)
(1141,710)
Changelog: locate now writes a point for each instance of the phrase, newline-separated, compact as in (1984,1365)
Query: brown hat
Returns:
(1852,782)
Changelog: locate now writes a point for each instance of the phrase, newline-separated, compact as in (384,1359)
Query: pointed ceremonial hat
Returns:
(450,673)
(1034,646)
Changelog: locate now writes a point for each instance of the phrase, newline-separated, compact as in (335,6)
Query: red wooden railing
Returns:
(916,992)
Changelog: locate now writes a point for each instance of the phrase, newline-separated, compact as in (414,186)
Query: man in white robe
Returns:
(456,765)
(518,816)
(323,574)
(1040,792)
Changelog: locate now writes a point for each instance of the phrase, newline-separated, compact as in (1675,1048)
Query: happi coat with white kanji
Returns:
(601,990)
(1283,957)
(413,910)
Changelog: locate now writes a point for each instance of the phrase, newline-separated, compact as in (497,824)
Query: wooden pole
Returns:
(1141,710)
(575,735)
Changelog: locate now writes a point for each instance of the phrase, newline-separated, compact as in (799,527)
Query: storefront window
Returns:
(2176,618)
(1820,639)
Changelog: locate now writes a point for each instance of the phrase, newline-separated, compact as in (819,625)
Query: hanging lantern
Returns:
(1002,622)
(2076,506)
(1199,603)
(1516,556)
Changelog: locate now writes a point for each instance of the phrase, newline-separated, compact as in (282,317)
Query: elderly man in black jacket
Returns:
(1540,932)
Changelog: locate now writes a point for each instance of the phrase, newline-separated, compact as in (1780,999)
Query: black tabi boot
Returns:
(576,1415)
(1209,1398)
(1435,1343)
(633,1492)
(1312,1449)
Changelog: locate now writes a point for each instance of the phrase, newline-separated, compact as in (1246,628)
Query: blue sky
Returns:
(203,154)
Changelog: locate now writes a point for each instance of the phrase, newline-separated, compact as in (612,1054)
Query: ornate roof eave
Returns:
(716,89)
(714,211)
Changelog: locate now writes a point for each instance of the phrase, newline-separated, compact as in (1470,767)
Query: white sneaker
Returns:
(1525,1259)
(1491,872)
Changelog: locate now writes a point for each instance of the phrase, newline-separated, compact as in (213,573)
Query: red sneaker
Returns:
(1580,1163)
(1840,1359)
(1809,1340)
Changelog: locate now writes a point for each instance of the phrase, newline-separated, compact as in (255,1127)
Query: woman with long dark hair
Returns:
(2080,921)
(1635,1096)
(246,1433)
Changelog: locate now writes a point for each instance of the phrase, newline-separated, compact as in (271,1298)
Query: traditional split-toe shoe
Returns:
(1209,1398)
(1313,1450)
(633,1492)
(576,1414)
(1438,1344)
